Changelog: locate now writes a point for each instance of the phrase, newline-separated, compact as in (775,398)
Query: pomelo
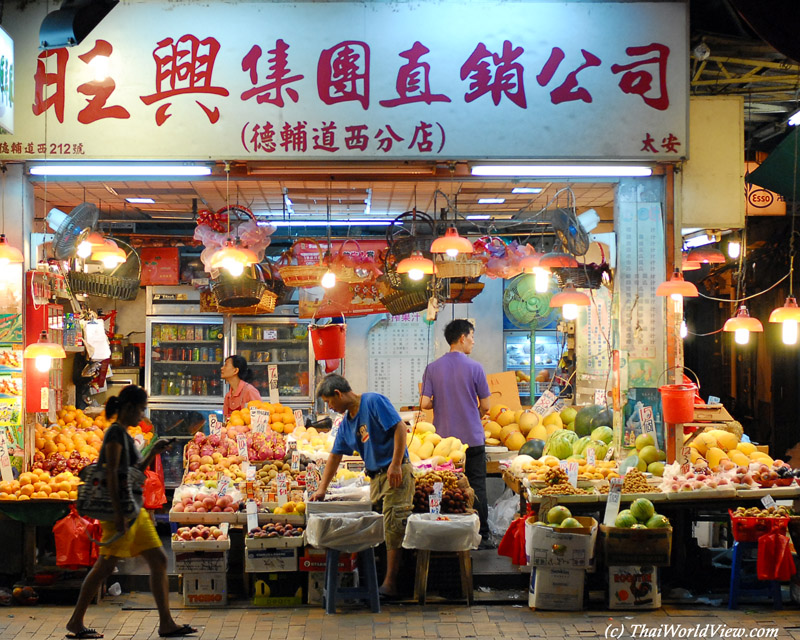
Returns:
(639,525)
(558,514)
(656,468)
(643,440)
(568,414)
(648,454)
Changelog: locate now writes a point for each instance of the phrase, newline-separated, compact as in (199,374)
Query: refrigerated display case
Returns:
(284,342)
(180,422)
(548,348)
(183,360)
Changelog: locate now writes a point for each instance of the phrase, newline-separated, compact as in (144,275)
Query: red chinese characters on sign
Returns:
(325,138)
(505,79)
(343,73)
(639,81)
(100,89)
(185,67)
(278,77)
(263,138)
(294,138)
(669,143)
(386,140)
(356,137)
(44,80)
(413,80)
(567,91)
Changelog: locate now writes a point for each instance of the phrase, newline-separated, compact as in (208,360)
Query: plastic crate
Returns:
(751,528)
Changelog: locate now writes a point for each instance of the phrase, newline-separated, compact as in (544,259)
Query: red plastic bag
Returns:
(513,543)
(154,489)
(774,558)
(73,547)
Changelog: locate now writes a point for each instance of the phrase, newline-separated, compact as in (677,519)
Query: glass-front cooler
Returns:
(284,342)
(548,348)
(181,422)
(184,359)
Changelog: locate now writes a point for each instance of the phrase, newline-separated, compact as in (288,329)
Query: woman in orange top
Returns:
(238,376)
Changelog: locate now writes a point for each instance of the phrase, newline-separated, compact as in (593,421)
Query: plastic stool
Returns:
(771,588)
(332,590)
(423,562)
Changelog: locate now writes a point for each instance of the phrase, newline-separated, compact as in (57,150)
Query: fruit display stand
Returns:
(201,557)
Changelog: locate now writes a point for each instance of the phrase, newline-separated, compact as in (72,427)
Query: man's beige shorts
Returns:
(397,504)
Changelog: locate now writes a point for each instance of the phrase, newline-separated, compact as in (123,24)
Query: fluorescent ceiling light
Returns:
(140,200)
(526,190)
(479,217)
(136,169)
(491,200)
(561,170)
(794,119)
(698,241)
(324,223)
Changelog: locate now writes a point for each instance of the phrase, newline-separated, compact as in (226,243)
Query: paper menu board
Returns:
(593,335)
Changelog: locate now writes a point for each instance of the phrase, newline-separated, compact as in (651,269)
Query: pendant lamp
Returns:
(451,244)
(677,288)
(788,316)
(416,266)
(532,264)
(329,279)
(741,325)
(109,254)
(233,258)
(689,265)
(42,352)
(89,244)
(9,254)
(569,300)
(557,259)
(706,254)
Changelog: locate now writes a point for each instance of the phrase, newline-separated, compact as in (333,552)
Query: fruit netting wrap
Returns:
(457,533)
(346,532)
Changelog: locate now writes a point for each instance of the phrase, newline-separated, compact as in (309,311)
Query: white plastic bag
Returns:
(96,340)
(459,533)
(502,512)
(346,532)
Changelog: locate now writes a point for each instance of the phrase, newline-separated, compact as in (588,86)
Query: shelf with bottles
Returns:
(217,342)
(264,364)
(181,384)
(208,363)
(298,341)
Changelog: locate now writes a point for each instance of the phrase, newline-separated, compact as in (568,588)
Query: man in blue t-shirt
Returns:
(372,427)
(455,387)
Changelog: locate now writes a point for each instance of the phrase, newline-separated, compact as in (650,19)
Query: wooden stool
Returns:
(421,581)
(770,588)
(332,590)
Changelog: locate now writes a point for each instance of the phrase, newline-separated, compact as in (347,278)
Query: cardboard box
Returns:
(504,390)
(160,266)
(711,413)
(557,589)
(633,587)
(316,560)
(205,590)
(625,547)
(270,560)
(277,589)
(565,548)
(316,584)
(201,562)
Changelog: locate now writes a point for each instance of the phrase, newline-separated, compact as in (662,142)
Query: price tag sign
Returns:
(600,397)
(222,486)
(435,499)
(249,471)
(249,491)
(547,503)
(614,497)
(559,405)
(768,502)
(272,376)
(337,422)
(591,456)
(295,460)
(648,422)
(214,425)
(270,334)
(252,515)
(299,420)
(5,462)
(283,489)
(259,420)
(543,404)
(241,444)
(571,469)
(714,400)
(312,478)
(609,454)
(44,401)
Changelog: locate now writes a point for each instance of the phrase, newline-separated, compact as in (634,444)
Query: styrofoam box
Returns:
(205,589)
(201,562)
(547,547)
(279,542)
(337,506)
(266,560)
(316,583)
(182,546)
(557,589)
(633,587)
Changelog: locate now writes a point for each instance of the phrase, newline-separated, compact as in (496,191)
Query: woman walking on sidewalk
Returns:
(122,539)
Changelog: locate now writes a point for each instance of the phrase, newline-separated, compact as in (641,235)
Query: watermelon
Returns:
(533,448)
(625,520)
(658,522)
(581,444)
(603,433)
(639,525)
(642,509)
(584,417)
(560,443)
(603,418)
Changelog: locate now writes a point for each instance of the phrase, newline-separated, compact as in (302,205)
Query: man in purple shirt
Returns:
(455,387)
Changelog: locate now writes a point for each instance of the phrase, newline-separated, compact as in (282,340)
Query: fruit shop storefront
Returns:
(413,122)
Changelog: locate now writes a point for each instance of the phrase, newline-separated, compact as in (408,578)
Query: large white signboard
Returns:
(6,83)
(339,80)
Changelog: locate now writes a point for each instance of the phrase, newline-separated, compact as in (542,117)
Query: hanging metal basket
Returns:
(589,276)
(117,284)
(246,290)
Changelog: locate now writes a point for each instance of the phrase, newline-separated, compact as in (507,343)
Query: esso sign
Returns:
(760,198)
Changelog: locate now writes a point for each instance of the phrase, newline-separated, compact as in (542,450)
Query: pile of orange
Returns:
(40,485)
(281,417)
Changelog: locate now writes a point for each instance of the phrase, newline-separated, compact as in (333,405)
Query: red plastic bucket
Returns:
(677,402)
(329,341)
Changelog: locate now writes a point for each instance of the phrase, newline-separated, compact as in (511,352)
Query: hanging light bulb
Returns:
(734,249)
(706,254)
(42,352)
(684,329)
(569,300)
(451,244)
(541,275)
(416,266)
(677,288)
(233,258)
(110,254)
(788,315)
(741,325)
(557,259)
(9,254)
(329,279)
(689,265)
(91,242)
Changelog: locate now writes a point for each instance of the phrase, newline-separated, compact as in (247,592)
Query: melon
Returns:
(493,428)
(639,525)
(539,432)
(518,414)
(605,434)
(570,523)
(558,514)
(495,411)
(642,509)
(625,520)
(508,430)
(560,443)
(505,418)
(515,441)
(527,421)
(580,445)
(746,447)
(603,418)
(533,448)
(584,417)
(658,522)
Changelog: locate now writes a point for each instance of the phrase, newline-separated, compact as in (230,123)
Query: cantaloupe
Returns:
(527,421)
(427,427)
(514,441)
(508,429)
(505,418)
(539,432)
(435,438)
(759,456)
(492,442)
(493,428)
(518,414)
(495,410)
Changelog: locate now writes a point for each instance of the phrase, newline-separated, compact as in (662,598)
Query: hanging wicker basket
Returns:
(244,292)
(347,272)
(109,286)
(462,266)
(589,276)
(302,275)
(462,290)
(400,302)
